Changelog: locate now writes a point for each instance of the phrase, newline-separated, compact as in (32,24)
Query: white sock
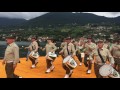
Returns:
(89,71)
(33,66)
(66,76)
(48,70)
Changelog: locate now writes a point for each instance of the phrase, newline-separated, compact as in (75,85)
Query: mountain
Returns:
(10,22)
(58,18)
(55,18)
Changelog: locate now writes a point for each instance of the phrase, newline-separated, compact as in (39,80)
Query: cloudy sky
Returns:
(29,15)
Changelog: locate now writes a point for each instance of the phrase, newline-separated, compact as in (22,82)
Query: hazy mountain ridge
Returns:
(56,18)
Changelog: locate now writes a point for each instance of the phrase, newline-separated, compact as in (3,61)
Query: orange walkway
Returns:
(23,69)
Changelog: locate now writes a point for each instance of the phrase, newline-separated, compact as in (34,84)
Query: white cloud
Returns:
(25,15)
(29,15)
(107,14)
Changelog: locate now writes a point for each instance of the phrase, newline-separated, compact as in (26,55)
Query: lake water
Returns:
(22,45)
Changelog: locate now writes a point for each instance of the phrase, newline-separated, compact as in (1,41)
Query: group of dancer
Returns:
(98,53)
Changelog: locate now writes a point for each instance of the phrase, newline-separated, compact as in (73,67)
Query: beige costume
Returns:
(50,47)
(34,47)
(12,53)
(11,58)
(49,60)
(68,50)
(71,50)
(105,53)
(116,55)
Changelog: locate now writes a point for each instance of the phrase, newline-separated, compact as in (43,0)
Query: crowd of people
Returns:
(87,50)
